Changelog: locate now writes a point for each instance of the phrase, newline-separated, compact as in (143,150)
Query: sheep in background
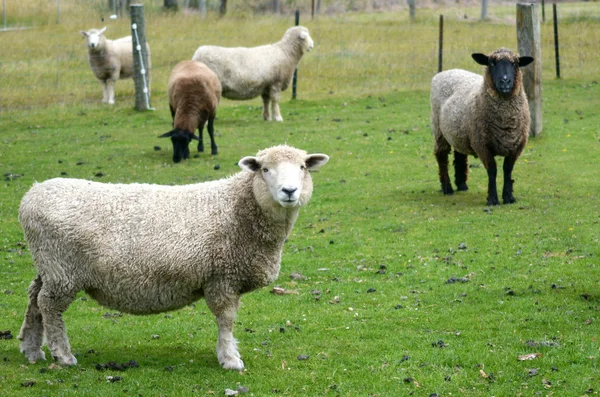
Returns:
(111,60)
(483,116)
(267,70)
(194,93)
(138,248)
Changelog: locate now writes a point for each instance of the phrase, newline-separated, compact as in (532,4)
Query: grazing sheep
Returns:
(143,249)
(483,116)
(194,93)
(111,60)
(246,73)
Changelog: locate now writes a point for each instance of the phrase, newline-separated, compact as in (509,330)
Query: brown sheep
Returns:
(483,116)
(194,93)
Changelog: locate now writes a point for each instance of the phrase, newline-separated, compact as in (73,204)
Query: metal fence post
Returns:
(295,77)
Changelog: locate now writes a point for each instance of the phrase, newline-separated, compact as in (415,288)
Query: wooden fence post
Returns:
(141,70)
(529,43)
(411,8)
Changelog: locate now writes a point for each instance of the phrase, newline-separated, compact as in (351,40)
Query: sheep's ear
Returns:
(84,34)
(249,163)
(303,35)
(195,137)
(316,161)
(524,61)
(481,59)
(167,134)
(102,30)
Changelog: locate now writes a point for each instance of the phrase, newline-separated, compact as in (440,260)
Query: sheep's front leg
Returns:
(211,134)
(490,165)
(224,307)
(110,87)
(104,91)
(507,191)
(275,93)
(266,102)
(32,330)
(461,171)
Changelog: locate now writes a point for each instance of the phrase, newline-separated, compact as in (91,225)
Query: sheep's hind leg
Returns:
(507,190)
(53,300)
(442,150)
(266,102)
(461,171)
(32,330)
(225,307)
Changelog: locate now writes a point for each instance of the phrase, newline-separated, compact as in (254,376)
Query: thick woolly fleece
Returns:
(142,248)
(194,93)
(112,60)
(266,71)
(469,115)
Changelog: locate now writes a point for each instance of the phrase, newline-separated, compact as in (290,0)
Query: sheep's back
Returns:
(124,243)
(194,88)
(245,73)
(453,94)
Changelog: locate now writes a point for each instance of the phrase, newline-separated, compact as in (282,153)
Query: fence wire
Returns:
(355,54)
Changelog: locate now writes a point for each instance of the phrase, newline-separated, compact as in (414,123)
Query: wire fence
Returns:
(356,53)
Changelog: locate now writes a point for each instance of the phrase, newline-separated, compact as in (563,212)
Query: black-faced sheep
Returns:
(111,60)
(194,93)
(483,116)
(267,70)
(137,248)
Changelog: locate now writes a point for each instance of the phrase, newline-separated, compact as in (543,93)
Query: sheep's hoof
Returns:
(233,363)
(447,190)
(493,201)
(35,356)
(462,187)
(68,360)
(508,199)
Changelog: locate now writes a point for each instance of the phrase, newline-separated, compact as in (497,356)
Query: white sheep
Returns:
(267,70)
(485,116)
(138,248)
(111,60)
(194,92)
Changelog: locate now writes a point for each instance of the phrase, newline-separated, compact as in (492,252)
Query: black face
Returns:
(503,75)
(503,71)
(181,140)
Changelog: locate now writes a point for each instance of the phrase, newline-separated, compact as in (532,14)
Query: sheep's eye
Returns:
(265,170)
(302,167)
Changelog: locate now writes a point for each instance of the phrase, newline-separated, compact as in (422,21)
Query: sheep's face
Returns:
(94,37)
(300,34)
(503,70)
(181,143)
(283,175)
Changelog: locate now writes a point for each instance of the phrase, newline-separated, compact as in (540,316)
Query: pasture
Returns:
(403,291)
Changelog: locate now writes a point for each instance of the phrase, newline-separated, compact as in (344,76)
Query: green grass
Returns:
(532,266)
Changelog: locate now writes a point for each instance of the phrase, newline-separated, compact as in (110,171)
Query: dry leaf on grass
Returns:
(530,356)
(283,291)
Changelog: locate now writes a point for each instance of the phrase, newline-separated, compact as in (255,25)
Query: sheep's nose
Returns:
(289,190)
(505,80)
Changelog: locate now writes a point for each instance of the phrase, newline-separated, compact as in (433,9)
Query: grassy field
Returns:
(405,291)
